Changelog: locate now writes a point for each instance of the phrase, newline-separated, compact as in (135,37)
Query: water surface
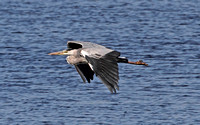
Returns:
(39,89)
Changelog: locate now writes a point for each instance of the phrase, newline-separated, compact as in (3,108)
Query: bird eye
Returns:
(65,51)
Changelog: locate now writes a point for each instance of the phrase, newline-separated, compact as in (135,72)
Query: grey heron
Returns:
(90,58)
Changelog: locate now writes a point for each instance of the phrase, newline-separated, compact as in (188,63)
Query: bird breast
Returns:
(76,60)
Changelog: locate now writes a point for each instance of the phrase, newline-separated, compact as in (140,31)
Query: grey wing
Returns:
(80,44)
(106,69)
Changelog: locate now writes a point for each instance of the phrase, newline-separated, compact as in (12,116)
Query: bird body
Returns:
(90,58)
(75,57)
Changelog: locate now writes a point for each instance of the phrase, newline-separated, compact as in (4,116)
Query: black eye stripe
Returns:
(69,49)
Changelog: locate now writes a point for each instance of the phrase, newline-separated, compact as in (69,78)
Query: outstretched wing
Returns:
(85,72)
(105,67)
(80,44)
(101,61)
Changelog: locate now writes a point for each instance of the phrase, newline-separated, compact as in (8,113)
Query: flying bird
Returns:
(90,58)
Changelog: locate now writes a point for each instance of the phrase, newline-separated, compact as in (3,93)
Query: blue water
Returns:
(38,89)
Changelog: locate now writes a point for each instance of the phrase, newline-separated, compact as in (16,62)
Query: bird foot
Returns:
(140,62)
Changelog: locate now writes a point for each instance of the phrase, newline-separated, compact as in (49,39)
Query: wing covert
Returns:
(80,44)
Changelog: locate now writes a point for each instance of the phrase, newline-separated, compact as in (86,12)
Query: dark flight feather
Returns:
(84,70)
(106,68)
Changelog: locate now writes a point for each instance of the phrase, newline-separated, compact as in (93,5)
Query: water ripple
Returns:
(39,89)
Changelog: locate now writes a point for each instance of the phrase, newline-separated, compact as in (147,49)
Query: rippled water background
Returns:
(36,88)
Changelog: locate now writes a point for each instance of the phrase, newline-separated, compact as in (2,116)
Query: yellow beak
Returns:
(58,53)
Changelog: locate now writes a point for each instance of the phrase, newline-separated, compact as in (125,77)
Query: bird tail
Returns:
(122,60)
